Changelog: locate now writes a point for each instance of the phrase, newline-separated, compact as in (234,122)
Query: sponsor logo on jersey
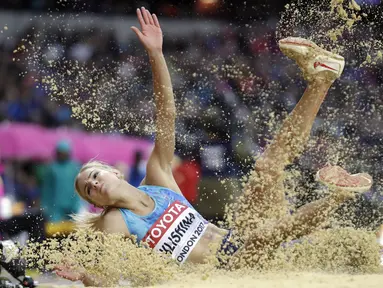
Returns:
(177,231)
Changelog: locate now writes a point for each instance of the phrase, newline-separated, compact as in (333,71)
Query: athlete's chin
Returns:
(109,194)
(103,188)
(107,190)
(110,190)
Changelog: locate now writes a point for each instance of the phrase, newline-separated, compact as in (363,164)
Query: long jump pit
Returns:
(267,280)
(338,258)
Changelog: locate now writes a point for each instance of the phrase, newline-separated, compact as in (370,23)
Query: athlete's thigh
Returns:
(265,194)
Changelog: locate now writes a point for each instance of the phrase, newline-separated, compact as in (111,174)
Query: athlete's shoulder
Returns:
(113,222)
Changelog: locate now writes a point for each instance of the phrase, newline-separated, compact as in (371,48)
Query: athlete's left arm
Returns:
(159,170)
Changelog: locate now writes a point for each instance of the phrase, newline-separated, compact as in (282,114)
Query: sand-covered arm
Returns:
(68,272)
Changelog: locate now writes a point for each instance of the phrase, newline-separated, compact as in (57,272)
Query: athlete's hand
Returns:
(151,33)
(68,272)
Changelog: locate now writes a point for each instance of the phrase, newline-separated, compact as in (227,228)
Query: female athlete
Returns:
(158,214)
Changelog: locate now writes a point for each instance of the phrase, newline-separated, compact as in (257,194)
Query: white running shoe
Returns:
(337,177)
(313,60)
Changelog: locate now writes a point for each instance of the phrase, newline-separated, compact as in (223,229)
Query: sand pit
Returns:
(296,280)
(311,280)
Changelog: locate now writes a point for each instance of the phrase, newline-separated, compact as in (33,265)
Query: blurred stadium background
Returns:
(42,146)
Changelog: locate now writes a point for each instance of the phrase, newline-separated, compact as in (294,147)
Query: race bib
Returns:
(176,232)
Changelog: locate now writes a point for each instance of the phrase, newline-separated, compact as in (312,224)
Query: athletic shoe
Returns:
(313,60)
(337,177)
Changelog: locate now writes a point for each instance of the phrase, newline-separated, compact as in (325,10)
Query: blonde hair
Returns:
(89,220)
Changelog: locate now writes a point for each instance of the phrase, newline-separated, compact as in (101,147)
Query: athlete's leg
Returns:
(266,180)
(258,248)
(264,192)
(266,238)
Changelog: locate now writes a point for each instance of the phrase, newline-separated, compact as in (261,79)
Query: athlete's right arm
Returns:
(66,272)
(112,222)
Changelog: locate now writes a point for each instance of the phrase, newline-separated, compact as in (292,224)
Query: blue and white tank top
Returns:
(173,226)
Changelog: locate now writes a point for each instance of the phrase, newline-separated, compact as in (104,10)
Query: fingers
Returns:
(145,15)
(140,18)
(145,18)
(59,267)
(137,31)
(156,22)
(68,275)
(151,21)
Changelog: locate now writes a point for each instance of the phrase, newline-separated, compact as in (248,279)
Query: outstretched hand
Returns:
(151,33)
(67,272)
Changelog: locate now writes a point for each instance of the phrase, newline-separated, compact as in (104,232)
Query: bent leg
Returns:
(267,238)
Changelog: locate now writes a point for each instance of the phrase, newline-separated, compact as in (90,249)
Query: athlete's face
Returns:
(98,186)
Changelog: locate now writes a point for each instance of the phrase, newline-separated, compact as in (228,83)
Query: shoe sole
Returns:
(350,189)
(301,42)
